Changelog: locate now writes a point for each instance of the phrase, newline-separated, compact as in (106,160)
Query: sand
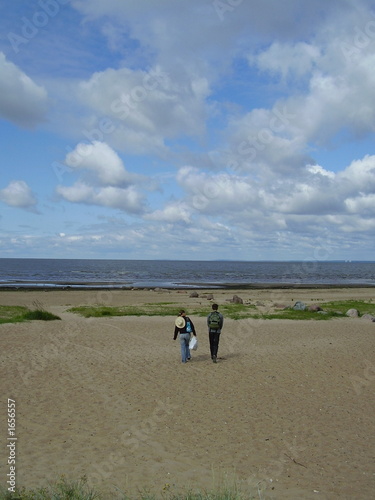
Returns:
(287,412)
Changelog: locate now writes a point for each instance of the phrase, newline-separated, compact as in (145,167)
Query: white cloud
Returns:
(144,107)
(18,194)
(359,176)
(288,60)
(279,202)
(173,212)
(317,169)
(104,181)
(22,101)
(126,199)
(245,97)
(102,162)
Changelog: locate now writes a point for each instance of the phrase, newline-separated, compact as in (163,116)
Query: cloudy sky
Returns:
(187,129)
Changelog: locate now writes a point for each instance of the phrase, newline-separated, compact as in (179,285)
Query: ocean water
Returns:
(77,273)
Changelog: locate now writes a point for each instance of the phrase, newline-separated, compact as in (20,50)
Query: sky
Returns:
(190,129)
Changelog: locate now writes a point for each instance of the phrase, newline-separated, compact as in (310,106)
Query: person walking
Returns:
(184,327)
(215,322)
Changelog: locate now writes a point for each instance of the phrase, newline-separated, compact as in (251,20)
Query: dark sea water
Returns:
(73,273)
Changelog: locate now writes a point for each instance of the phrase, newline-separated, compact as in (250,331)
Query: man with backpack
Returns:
(215,321)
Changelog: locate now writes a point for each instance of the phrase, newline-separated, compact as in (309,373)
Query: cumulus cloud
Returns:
(288,60)
(126,199)
(280,202)
(104,179)
(244,95)
(18,194)
(359,176)
(102,162)
(145,107)
(22,101)
(173,212)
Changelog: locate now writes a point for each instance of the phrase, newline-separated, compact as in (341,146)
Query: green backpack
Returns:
(214,321)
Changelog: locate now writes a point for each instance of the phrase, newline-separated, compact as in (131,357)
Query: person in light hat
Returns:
(184,327)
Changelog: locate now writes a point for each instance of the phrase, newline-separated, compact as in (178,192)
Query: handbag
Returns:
(193,344)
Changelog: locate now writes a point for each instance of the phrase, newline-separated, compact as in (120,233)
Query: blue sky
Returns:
(219,129)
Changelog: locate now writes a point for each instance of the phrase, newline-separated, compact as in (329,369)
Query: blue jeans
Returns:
(185,351)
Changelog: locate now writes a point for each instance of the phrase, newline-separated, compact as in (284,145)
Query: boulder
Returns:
(369,317)
(299,306)
(280,306)
(194,295)
(352,313)
(210,296)
(237,300)
(315,308)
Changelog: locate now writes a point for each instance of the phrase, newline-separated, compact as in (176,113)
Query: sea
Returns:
(100,273)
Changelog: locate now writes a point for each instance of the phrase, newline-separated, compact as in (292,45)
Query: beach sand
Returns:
(287,412)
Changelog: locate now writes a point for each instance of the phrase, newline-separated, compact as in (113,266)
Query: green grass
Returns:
(19,314)
(100,311)
(233,311)
(40,316)
(344,305)
(12,314)
(80,490)
(331,310)
(298,315)
(335,309)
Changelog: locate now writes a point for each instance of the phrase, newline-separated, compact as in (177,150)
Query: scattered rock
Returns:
(352,313)
(210,297)
(237,300)
(194,295)
(315,308)
(369,317)
(299,306)
(280,306)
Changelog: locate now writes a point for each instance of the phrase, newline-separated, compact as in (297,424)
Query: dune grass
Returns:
(331,310)
(334,309)
(233,311)
(342,306)
(19,314)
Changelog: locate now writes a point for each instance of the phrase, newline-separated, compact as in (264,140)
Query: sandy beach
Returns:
(287,412)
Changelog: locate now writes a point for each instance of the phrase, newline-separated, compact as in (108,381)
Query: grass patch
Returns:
(233,311)
(40,315)
(18,314)
(298,315)
(12,314)
(344,305)
(331,310)
(100,311)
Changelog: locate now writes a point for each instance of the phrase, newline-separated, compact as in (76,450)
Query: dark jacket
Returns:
(183,330)
(221,322)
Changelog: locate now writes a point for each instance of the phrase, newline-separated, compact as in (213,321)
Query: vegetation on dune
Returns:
(19,314)
(330,310)
(334,309)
